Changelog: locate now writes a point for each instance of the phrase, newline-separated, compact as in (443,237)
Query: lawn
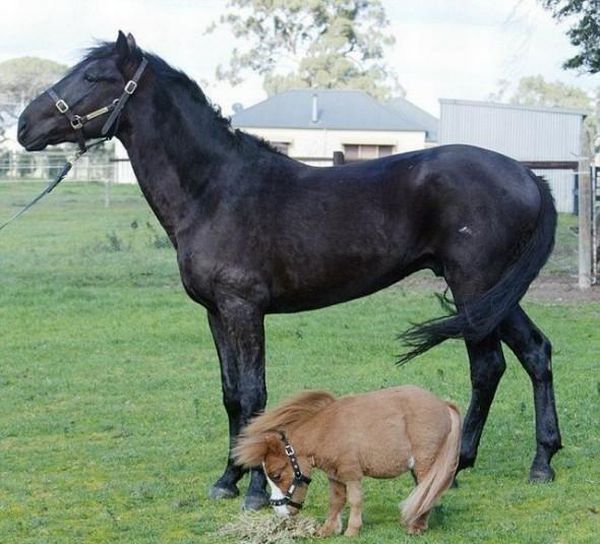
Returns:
(111,422)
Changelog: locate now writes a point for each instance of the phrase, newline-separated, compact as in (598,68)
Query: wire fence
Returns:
(18,165)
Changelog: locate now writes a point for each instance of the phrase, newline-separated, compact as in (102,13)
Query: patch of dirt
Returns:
(561,289)
(546,288)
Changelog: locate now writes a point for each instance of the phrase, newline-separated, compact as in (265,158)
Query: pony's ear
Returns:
(126,47)
(273,442)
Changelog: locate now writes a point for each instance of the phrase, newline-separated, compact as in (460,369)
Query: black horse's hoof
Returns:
(541,475)
(218,493)
(255,501)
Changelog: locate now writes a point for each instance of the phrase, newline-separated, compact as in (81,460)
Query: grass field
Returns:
(111,423)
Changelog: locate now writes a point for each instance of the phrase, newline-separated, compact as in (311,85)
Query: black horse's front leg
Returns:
(238,332)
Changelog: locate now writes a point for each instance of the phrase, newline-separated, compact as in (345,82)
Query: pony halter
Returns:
(299,478)
(114,108)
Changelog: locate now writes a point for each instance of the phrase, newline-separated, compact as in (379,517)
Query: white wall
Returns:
(321,143)
(123,170)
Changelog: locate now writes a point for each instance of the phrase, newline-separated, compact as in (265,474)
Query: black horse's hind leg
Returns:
(534,351)
(487,365)
(238,333)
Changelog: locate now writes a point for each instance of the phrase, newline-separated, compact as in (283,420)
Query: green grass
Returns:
(111,423)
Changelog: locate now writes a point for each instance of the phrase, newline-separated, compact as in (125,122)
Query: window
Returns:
(282,147)
(362,152)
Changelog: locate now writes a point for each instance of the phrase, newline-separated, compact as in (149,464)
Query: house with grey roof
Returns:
(311,124)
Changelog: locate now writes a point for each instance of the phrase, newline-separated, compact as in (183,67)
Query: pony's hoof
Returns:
(255,501)
(416,530)
(351,532)
(541,475)
(217,492)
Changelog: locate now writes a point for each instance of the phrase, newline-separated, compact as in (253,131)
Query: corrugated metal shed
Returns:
(523,133)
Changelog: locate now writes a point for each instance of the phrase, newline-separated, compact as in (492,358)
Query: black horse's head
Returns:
(91,85)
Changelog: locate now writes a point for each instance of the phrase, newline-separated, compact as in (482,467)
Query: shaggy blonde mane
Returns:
(252,443)
(293,412)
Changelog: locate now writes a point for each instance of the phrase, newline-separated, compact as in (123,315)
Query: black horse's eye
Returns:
(90,78)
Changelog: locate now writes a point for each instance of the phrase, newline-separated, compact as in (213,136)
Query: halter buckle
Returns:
(61,106)
(76,122)
(130,87)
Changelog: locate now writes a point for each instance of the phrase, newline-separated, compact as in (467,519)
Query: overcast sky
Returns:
(444,48)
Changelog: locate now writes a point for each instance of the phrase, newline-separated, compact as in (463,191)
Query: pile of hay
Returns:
(263,528)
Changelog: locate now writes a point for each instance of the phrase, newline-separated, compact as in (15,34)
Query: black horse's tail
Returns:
(477,318)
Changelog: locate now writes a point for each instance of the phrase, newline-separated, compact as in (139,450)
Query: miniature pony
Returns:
(381,434)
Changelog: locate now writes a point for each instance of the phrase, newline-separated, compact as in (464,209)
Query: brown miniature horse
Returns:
(380,434)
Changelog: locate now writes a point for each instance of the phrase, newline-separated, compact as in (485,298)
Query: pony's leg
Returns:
(534,351)
(337,500)
(238,333)
(487,365)
(354,493)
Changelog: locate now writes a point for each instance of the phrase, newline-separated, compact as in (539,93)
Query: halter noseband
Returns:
(114,108)
(299,478)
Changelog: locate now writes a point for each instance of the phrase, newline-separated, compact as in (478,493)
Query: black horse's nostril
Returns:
(22,129)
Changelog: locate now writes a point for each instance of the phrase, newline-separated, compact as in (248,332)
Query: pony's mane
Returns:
(167,73)
(253,442)
(291,413)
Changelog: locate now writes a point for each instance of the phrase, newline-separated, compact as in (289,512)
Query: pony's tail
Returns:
(440,475)
(477,318)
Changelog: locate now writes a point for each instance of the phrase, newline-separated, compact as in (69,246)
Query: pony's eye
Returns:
(90,78)
(275,477)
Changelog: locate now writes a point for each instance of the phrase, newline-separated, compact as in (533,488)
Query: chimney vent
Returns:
(315,108)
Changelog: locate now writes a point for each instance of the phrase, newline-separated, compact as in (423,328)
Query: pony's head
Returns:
(287,471)
(89,87)
(263,442)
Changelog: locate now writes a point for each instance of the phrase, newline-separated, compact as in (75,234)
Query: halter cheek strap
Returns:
(119,103)
(299,478)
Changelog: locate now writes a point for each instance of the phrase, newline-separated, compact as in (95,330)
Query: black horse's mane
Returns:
(166,72)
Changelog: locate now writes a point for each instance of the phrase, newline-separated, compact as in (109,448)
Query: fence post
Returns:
(584,197)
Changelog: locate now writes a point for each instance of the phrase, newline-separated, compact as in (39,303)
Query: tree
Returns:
(584,32)
(536,91)
(311,43)
(21,80)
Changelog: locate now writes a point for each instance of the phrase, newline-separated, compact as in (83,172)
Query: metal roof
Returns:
(325,109)
(418,116)
(502,105)
(523,133)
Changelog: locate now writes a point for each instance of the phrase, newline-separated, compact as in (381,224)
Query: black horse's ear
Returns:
(131,43)
(126,46)
(121,46)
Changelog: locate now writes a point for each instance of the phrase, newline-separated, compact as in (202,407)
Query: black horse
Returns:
(257,232)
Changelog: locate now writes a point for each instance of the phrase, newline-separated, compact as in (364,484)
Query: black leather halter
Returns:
(77,121)
(299,478)
(114,108)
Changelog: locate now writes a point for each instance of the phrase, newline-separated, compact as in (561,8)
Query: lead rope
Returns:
(52,184)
